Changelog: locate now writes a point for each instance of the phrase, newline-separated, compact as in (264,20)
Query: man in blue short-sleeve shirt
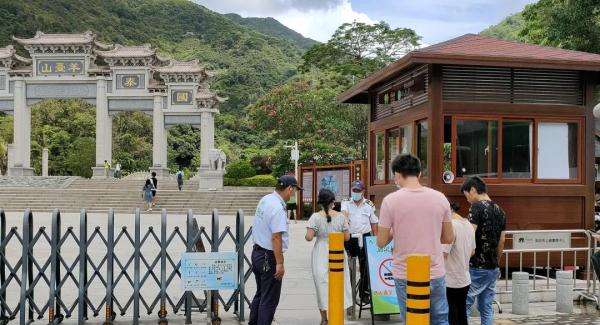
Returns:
(270,232)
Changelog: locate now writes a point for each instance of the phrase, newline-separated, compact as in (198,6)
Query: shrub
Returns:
(239,170)
(259,180)
(231,182)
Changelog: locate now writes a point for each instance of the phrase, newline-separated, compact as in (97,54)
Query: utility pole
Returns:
(295,156)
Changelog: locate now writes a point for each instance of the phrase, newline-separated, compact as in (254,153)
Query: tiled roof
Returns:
(479,50)
(121,51)
(41,38)
(7,52)
(174,66)
(472,45)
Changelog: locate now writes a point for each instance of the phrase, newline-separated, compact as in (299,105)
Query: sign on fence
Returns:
(541,240)
(383,289)
(209,271)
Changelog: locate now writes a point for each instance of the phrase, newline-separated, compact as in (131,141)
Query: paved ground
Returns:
(298,303)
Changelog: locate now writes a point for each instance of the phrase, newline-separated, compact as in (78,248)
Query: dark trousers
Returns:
(268,289)
(457,303)
(354,250)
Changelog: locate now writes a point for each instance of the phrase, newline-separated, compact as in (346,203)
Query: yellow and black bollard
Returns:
(417,289)
(336,278)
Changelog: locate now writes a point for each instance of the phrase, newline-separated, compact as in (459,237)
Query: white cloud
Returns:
(266,7)
(316,19)
(320,24)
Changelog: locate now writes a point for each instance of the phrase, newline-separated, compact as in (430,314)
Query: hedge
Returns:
(259,180)
(239,170)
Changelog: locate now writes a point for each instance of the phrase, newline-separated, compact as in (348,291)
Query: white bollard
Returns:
(520,293)
(564,292)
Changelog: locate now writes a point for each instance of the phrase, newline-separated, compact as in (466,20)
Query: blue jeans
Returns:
(438,308)
(483,288)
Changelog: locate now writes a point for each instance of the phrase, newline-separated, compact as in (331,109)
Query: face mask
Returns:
(357,196)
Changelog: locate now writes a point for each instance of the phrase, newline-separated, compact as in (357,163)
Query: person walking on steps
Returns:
(155,183)
(147,194)
(270,233)
(179,179)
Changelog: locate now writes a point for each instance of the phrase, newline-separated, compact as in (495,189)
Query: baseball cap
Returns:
(358,185)
(288,180)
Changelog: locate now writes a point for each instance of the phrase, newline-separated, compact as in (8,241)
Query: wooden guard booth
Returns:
(518,115)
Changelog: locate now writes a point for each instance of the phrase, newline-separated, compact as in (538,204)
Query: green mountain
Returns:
(272,27)
(247,62)
(508,29)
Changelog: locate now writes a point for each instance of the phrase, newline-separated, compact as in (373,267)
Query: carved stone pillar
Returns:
(103,130)
(22,132)
(159,139)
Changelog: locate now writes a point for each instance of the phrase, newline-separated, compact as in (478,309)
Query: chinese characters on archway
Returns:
(50,67)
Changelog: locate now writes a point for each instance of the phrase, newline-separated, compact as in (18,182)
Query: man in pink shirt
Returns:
(419,220)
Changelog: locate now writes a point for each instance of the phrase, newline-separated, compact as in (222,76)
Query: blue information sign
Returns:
(209,271)
(383,291)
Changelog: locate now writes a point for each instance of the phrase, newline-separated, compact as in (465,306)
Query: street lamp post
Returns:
(295,156)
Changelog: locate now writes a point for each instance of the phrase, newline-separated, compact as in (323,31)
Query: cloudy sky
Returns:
(435,20)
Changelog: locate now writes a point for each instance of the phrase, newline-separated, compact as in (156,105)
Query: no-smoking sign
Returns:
(385,272)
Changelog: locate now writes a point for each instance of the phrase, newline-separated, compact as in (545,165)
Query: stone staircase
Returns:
(125,195)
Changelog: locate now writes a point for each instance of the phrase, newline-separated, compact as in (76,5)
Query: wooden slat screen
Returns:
(511,85)
(395,106)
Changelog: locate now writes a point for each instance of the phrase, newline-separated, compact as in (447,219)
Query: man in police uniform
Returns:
(270,233)
(363,222)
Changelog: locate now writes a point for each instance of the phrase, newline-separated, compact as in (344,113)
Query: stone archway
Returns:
(115,78)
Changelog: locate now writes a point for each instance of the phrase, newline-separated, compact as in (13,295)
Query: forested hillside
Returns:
(247,64)
(272,27)
(508,29)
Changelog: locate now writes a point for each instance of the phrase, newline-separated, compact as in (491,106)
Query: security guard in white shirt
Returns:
(363,222)
(270,233)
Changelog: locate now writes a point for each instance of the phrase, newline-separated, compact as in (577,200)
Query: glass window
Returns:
(477,146)
(447,143)
(379,156)
(399,142)
(422,136)
(517,138)
(557,150)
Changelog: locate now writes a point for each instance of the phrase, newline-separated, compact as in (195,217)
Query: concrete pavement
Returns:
(298,301)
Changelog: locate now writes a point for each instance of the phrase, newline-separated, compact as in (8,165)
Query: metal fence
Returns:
(541,262)
(119,262)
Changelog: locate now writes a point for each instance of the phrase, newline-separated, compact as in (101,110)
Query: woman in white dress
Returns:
(320,225)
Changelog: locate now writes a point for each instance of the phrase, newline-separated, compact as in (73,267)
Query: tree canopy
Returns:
(357,49)
(569,24)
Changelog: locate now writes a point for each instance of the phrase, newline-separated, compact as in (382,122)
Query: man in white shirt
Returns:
(363,222)
(270,232)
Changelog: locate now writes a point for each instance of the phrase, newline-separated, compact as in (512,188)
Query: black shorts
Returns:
(291,206)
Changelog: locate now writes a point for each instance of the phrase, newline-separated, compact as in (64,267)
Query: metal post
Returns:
(336,278)
(189,248)
(110,256)
(162,313)
(83,238)
(418,286)
(54,306)
(136,268)
(3,315)
(213,299)
(27,232)
(240,237)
